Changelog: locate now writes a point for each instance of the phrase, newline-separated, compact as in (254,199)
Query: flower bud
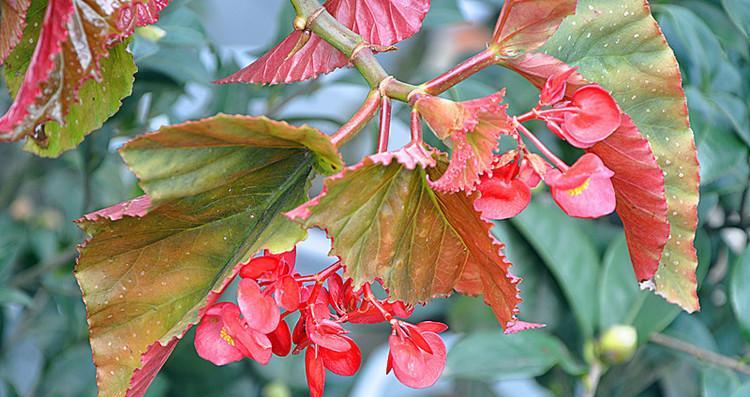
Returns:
(618,344)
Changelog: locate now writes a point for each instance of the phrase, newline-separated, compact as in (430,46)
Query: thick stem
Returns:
(364,114)
(459,73)
(542,148)
(385,124)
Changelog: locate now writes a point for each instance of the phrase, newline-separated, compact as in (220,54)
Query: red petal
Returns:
(598,118)
(344,363)
(593,199)
(554,89)
(260,311)
(259,266)
(281,339)
(250,342)
(502,199)
(432,326)
(380,22)
(287,293)
(299,334)
(211,346)
(414,367)
(316,374)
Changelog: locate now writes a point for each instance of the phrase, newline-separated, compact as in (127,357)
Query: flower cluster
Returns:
(582,117)
(256,328)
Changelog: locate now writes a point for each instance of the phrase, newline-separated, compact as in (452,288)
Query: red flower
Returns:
(223,337)
(417,354)
(554,89)
(328,349)
(506,192)
(596,117)
(584,190)
(277,273)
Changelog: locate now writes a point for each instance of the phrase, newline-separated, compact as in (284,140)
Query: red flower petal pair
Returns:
(507,191)
(417,356)
(277,272)
(318,359)
(584,190)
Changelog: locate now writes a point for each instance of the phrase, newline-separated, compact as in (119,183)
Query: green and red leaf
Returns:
(12,23)
(387,223)
(525,25)
(216,189)
(379,22)
(61,52)
(620,46)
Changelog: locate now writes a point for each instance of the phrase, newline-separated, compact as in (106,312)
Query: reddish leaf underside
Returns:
(74,37)
(152,265)
(379,22)
(620,46)
(638,180)
(12,22)
(525,25)
(387,223)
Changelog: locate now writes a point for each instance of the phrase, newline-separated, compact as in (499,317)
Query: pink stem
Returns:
(322,275)
(385,124)
(416,127)
(459,73)
(542,148)
(358,121)
(375,302)
(535,114)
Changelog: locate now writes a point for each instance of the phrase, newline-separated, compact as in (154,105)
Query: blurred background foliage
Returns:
(577,275)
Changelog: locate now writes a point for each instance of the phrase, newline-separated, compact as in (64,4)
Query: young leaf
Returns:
(638,179)
(525,25)
(619,45)
(70,44)
(216,189)
(379,22)
(387,223)
(12,23)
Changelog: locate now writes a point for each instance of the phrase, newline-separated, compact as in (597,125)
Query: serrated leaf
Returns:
(387,223)
(72,40)
(620,46)
(12,23)
(379,22)
(150,267)
(525,25)
(569,254)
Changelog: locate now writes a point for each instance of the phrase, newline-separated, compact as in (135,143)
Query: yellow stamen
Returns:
(579,190)
(225,335)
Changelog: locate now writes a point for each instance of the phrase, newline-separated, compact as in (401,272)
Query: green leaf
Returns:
(569,255)
(719,382)
(491,356)
(618,44)
(739,12)
(624,303)
(387,223)
(740,293)
(219,187)
(742,391)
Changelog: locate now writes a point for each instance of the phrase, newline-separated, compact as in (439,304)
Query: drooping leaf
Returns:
(487,355)
(568,253)
(619,45)
(525,25)
(387,223)
(69,46)
(216,189)
(379,22)
(638,180)
(12,23)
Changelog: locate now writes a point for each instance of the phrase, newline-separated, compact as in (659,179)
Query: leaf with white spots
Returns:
(619,45)
(216,189)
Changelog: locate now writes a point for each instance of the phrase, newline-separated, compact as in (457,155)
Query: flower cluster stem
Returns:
(459,73)
(542,148)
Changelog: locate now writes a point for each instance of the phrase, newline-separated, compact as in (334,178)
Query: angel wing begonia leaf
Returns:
(12,23)
(620,46)
(638,180)
(387,223)
(70,42)
(525,25)
(97,101)
(379,22)
(216,189)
